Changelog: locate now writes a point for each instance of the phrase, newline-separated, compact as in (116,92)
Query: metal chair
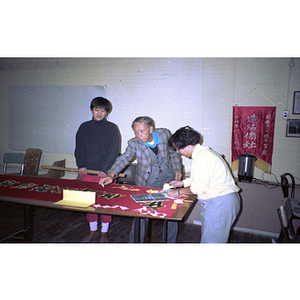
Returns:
(13,158)
(286,218)
(295,205)
(129,171)
(285,185)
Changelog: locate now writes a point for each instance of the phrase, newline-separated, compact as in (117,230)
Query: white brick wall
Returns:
(174,91)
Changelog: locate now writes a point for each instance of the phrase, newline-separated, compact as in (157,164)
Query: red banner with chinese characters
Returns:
(253,132)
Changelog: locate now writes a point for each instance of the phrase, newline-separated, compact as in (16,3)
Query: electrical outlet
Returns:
(285,114)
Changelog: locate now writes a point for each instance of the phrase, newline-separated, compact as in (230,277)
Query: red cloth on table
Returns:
(111,197)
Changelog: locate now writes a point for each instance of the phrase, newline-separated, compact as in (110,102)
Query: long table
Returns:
(114,199)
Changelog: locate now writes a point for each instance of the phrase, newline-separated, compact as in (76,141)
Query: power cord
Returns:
(267,184)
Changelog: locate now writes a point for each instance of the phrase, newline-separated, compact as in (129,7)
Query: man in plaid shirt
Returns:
(157,163)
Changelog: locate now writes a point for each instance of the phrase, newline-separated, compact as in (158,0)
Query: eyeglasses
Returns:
(178,150)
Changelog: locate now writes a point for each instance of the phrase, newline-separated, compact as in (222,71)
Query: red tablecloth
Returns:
(113,196)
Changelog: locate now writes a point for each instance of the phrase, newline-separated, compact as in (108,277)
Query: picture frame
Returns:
(296,103)
(293,128)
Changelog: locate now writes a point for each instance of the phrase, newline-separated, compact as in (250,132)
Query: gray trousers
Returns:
(171,232)
(218,215)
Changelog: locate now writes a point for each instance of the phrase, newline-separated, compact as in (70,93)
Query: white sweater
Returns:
(210,175)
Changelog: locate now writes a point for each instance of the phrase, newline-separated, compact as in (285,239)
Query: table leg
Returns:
(28,223)
(148,227)
(136,230)
(165,232)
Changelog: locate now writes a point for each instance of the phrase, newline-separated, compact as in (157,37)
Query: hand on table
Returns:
(176,183)
(173,193)
(105,181)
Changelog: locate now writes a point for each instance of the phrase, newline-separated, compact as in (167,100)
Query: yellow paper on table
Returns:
(77,198)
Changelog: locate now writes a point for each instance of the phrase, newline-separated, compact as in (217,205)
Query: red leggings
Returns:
(94,217)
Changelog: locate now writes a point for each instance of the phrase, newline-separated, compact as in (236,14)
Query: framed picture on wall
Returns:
(296,105)
(293,128)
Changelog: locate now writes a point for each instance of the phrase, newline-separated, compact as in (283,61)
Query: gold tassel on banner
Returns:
(234,165)
(262,165)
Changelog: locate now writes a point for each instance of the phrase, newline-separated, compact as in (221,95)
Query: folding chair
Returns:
(13,158)
(129,171)
(295,204)
(286,218)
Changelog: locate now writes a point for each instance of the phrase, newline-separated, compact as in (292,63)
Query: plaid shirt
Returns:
(139,151)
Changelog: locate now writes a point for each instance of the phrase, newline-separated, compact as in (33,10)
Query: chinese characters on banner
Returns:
(253,133)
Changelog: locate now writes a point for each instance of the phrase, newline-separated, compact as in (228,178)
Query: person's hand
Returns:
(173,193)
(82,171)
(178,176)
(176,183)
(102,174)
(105,181)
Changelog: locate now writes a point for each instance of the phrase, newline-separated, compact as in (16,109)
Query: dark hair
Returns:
(101,103)
(149,121)
(183,137)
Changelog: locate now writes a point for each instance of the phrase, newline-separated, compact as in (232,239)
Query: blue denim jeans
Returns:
(218,215)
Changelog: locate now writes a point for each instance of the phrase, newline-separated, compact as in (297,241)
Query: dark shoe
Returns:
(92,235)
(104,238)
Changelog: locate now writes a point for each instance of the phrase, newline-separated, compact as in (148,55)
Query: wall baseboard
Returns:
(248,230)
(259,232)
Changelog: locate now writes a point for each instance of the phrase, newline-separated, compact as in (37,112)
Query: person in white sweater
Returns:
(212,181)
